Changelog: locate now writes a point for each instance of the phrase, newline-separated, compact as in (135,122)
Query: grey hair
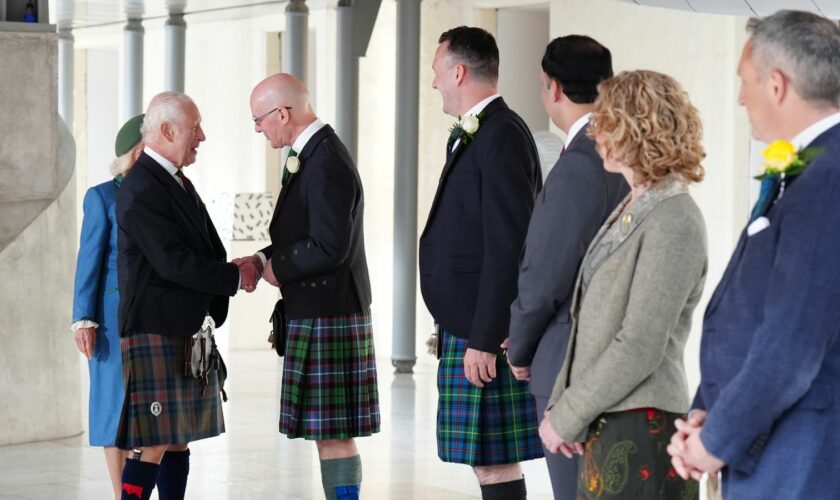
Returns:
(122,164)
(165,107)
(805,48)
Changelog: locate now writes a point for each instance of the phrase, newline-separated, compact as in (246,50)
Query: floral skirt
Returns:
(626,458)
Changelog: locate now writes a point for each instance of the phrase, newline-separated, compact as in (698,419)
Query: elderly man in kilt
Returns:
(317,256)
(469,255)
(171,273)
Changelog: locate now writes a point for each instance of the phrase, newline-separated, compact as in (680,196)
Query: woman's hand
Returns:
(554,443)
(86,341)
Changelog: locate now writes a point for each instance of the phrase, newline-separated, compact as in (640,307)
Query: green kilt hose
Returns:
(162,405)
(329,379)
(625,457)
(494,425)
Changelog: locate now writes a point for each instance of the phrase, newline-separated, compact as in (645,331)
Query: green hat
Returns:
(129,135)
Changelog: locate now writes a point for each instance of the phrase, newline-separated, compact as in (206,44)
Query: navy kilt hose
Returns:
(162,405)
(494,425)
(329,386)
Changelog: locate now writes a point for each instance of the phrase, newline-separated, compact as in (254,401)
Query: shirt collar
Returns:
(163,162)
(478,108)
(307,134)
(807,136)
(576,127)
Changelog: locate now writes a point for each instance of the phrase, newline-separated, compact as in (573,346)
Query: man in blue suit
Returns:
(768,405)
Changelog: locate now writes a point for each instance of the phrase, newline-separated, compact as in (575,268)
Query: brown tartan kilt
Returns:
(153,372)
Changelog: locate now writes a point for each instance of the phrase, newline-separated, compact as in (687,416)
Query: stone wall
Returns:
(39,365)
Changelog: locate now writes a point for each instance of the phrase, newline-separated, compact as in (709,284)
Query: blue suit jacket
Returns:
(770,357)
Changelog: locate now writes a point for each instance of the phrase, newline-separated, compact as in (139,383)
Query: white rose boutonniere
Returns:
(464,129)
(470,124)
(293,164)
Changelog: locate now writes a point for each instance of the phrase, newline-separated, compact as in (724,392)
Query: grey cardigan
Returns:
(639,283)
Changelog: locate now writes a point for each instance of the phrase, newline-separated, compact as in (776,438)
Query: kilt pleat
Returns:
(329,388)
(493,425)
(162,405)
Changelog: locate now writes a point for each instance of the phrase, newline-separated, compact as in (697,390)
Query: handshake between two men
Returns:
(251,269)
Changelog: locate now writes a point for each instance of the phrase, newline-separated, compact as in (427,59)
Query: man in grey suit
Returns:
(578,196)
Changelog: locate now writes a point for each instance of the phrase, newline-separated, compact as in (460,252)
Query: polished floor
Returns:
(253,461)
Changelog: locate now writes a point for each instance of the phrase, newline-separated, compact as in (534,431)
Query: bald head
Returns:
(281,109)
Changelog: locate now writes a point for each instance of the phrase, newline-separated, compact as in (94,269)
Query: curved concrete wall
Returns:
(39,368)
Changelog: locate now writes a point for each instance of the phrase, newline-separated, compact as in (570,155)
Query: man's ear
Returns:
(285,116)
(555,90)
(167,132)
(778,85)
(460,73)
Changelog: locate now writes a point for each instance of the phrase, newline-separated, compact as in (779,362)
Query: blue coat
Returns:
(96,298)
(770,356)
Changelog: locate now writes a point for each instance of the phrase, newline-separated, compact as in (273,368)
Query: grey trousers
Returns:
(563,471)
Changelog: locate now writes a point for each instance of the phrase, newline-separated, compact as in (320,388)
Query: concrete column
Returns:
(65,76)
(295,39)
(132,69)
(176,41)
(403,354)
(347,80)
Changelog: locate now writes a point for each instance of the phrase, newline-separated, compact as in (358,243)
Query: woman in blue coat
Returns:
(96,299)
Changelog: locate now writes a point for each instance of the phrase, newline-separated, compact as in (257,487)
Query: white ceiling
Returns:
(827,8)
(82,13)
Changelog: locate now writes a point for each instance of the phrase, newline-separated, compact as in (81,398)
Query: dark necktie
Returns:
(768,187)
(188,186)
(286,174)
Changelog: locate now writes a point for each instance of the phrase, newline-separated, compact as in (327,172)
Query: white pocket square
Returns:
(758,226)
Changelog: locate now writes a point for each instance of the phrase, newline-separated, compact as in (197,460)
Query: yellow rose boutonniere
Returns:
(782,158)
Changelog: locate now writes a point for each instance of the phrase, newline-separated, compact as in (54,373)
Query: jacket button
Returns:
(324,282)
(313,284)
(294,251)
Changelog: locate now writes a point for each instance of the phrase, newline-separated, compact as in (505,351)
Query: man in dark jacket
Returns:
(317,257)
(172,274)
(468,264)
(577,197)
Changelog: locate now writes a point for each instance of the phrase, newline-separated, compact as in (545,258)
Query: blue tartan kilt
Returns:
(329,388)
(162,405)
(493,425)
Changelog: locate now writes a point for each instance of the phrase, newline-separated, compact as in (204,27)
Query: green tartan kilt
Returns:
(162,405)
(329,388)
(493,425)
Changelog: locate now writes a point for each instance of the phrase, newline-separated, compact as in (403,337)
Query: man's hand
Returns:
(253,259)
(678,445)
(268,274)
(554,443)
(519,372)
(248,277)
(688,454)
(86,341)
(479,366)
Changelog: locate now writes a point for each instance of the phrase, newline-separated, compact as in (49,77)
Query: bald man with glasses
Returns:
(317,258)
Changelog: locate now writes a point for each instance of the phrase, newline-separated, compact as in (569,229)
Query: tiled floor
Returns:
(253,461)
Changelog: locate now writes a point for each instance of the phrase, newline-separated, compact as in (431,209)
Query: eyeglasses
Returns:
(258,119)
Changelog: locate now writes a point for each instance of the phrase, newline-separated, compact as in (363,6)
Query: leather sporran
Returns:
(201,357)
(278,334)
